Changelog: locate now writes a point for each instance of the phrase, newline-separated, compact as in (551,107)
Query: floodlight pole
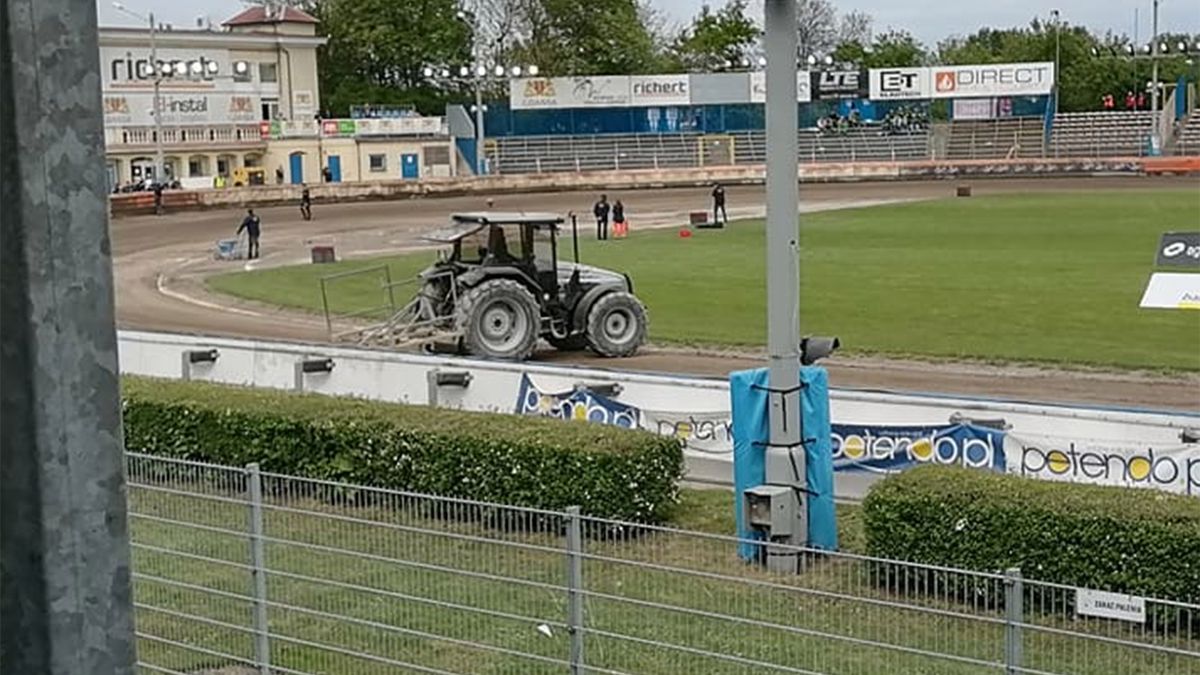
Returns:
(785,461)
(1156,116)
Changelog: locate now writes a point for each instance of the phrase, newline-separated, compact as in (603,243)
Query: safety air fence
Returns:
(237,570)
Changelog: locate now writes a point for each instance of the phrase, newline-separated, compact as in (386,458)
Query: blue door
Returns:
(297,166)
(335,169)
(410,168)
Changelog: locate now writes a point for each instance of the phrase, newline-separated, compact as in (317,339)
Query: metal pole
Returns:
(1057,61)
(575,589)
(1014,616)
(480,164)
(1155,116)
(158,140)
(66,601)
(258,563)
(785,459)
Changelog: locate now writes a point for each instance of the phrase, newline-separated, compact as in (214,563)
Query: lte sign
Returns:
(899,83)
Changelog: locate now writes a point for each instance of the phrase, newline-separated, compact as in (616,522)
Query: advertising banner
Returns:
(898,83)
(1174,468)
(997,79)
(838,84)
(656,90)
(137,108)
(399,126)
(532,93)
(710,433)
(1168,290)
(1179,249)
(974,108)
(888,449)
(758,87)
(600,91)
(577,404)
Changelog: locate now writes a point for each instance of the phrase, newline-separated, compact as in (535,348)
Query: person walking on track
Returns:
(600,210)
(158,198)
(305,204)
(253,227)
(718,197)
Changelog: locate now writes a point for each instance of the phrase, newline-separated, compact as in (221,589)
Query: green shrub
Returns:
(522,461)
(1142,542)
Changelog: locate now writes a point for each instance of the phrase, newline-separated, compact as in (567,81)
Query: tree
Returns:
(816,28)
(599,37)
(378,49)
(855,26)
(892,49)
(715,38)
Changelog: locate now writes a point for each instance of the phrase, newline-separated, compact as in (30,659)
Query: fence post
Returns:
(1014,616)
(258,563)
(575,589)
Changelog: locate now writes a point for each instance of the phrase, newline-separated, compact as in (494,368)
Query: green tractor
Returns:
(501,287)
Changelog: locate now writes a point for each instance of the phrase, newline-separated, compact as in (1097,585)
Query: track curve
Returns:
(160,264)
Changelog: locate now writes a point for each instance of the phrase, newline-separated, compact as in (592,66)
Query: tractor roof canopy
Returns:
(466,224)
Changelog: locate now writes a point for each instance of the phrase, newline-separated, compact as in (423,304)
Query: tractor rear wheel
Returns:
(616,325)
(499,319)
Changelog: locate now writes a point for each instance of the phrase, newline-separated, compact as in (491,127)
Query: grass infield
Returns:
(1052,278)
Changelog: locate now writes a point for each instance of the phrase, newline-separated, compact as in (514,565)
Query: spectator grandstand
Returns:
(547,154)
(1002,138)
(1109,133)
(1189,136)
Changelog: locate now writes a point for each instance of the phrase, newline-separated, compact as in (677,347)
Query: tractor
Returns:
(500,287)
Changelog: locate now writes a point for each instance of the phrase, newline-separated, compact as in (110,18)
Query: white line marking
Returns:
(161,284)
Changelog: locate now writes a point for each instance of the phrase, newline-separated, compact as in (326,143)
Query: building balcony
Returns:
(197,136)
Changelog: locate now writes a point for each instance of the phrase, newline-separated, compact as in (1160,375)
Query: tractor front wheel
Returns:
(616,325)
(499,319)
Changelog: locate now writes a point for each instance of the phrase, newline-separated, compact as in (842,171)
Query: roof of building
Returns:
(259,15)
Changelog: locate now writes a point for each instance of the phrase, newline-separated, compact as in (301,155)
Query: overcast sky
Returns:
(929,20)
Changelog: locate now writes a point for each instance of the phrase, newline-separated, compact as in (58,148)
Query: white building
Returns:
(246,96)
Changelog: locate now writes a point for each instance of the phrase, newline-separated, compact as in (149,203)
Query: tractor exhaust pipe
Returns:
(575,236)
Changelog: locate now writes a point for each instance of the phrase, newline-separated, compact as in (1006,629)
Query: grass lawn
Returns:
(1042,278)
(383,580)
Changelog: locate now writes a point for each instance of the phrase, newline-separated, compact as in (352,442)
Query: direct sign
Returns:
(1110,605)
(1179,249)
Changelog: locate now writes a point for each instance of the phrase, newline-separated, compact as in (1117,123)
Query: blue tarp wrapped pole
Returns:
(748,394)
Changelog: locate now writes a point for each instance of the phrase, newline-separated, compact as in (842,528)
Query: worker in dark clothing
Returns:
(600,210)
(158,198)
(618,212)
(718,197)
(305,204)
(253,227)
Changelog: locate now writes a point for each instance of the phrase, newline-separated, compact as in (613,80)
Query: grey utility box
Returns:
(772,509)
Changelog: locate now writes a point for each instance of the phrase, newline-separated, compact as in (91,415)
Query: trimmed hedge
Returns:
(1142,542)
(521,461)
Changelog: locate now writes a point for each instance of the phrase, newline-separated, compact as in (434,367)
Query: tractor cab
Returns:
(505,244)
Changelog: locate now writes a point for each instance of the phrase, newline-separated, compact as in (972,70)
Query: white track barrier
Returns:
(408,378)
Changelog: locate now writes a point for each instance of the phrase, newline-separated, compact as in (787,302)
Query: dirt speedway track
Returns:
(160,263)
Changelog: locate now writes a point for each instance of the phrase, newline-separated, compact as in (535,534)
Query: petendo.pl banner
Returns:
(887,449)
(1173,468)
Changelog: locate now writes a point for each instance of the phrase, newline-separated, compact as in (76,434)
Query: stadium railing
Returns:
(237,569)
(547,154)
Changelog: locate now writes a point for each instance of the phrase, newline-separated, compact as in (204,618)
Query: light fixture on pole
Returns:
(159,74)
(1057,53)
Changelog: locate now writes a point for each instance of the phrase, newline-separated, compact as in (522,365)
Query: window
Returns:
(378,162)
(268,72)
(436,154)
(270,109)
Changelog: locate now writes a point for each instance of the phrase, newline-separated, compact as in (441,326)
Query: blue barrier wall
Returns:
(502,121)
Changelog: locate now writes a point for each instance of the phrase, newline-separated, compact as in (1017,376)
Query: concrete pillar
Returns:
(65,595)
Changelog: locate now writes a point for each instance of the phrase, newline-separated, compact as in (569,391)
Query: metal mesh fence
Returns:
(240,571)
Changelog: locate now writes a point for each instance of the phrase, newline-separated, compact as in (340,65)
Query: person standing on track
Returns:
(305,204)
(718,197)
(158,198)
(253,227)
(600,210)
